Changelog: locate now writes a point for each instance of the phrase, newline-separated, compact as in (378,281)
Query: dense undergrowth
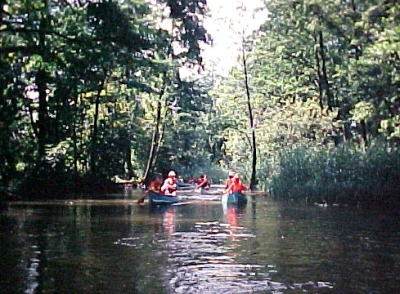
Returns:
(56,185)
(336,175)
(343,176)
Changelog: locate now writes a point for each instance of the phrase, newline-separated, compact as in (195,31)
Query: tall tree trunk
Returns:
(364,138)
(128,160)
(41,82)
(8,170)
(329,96)
(155,139)
(160,138)
(323,80)
(75,141)
(94,145)
(42,115)
(320,88)
(253,181)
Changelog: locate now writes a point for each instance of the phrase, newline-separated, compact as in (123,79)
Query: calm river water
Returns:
(116,246)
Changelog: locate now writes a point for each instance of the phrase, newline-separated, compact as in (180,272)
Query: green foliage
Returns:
(337,175)
(323,76)
(362,111)
(99,81)
(94,71)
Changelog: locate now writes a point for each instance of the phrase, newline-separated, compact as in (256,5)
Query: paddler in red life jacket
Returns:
(236,186)
(169,185)
(156,183)
(203,182)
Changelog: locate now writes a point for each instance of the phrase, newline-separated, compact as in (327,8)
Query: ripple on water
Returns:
(205,262)
(33,274)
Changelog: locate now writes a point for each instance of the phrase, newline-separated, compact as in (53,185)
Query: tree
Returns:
(72,68)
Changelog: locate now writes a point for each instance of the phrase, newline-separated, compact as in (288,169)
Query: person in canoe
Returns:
(229,180)
(235,186)
(191,180)
(169,185)
(203,182)
(154,185)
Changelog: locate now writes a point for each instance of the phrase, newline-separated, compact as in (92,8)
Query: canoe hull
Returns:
(236,198)
(160,199)
(202,191)
(185,186)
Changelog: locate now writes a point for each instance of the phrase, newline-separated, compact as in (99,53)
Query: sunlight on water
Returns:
(206,260)
(33,274)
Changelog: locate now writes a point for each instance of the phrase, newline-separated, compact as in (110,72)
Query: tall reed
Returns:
(338,175)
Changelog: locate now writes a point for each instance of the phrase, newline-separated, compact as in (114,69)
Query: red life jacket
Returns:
(237,186)
(155,185)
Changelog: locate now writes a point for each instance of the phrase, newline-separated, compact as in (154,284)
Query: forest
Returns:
(95,90)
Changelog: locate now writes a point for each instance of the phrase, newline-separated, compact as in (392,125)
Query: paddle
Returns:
(195,187)
(141,199)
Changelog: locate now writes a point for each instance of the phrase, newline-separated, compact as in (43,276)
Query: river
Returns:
(113,245)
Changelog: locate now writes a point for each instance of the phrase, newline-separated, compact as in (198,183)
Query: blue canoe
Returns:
(184,185)
(161,199)
(237,198)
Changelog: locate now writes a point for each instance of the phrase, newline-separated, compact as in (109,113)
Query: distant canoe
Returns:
(118,180)
(235,198)
(184,185)
(202,191)
(161,199)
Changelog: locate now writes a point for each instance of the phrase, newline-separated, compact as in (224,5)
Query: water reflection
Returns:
(167,214)
(202,260)
(209,259)
(116,246)
(33,274)
(231,213)
(169,221)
